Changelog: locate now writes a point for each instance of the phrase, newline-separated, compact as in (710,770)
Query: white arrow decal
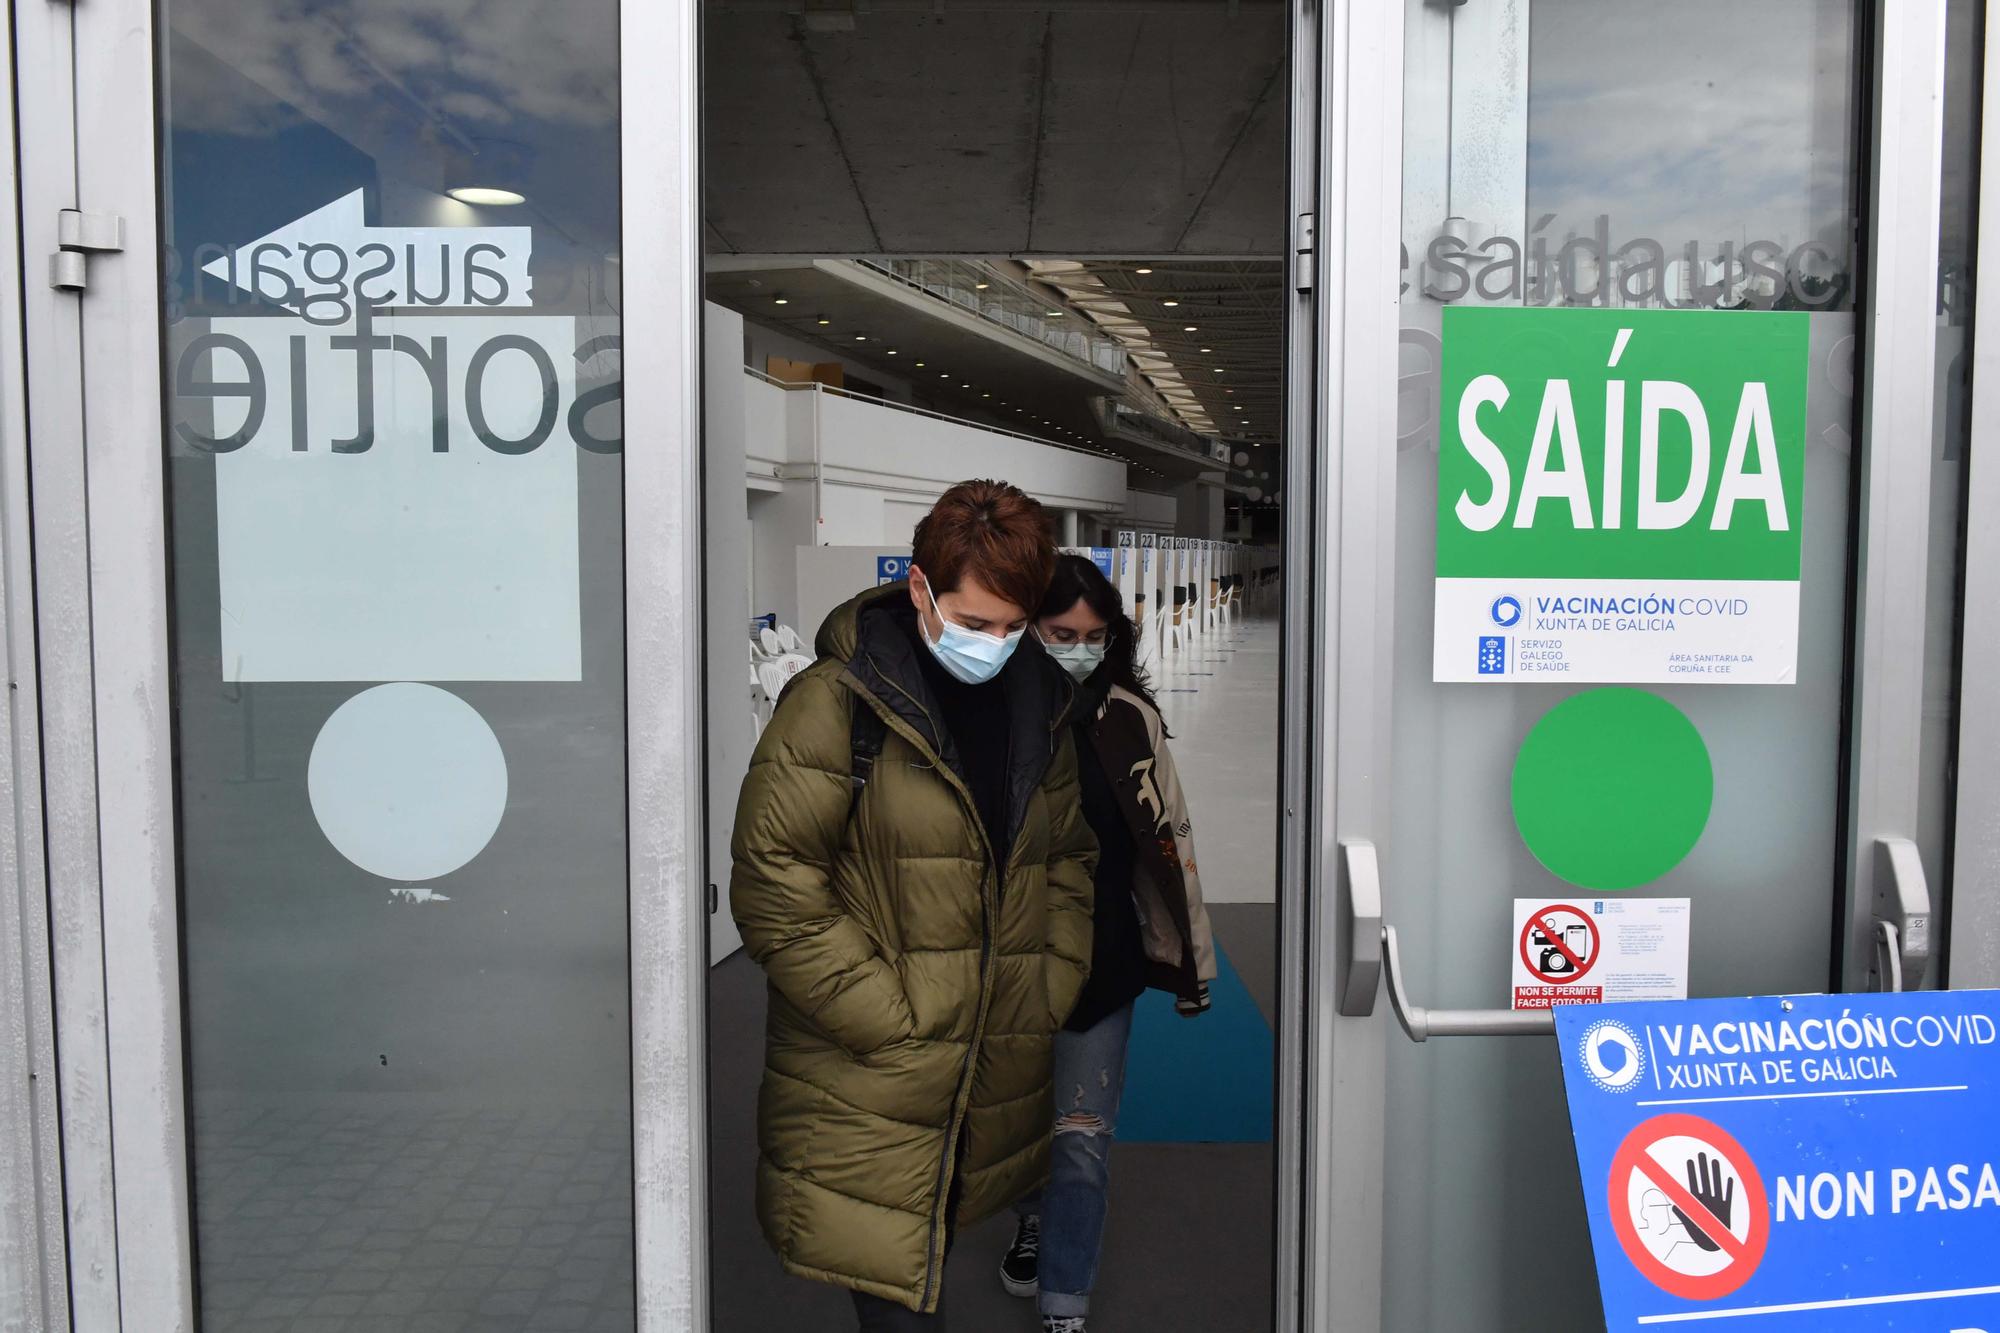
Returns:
(322,262)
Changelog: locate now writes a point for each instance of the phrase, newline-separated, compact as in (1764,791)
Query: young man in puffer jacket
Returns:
(915,880)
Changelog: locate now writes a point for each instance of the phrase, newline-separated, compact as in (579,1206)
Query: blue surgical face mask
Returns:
(1079,659)
(967,654)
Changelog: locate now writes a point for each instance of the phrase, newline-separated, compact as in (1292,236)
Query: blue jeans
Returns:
(1089,1080)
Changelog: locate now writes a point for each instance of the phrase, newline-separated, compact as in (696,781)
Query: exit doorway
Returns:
(1044,245)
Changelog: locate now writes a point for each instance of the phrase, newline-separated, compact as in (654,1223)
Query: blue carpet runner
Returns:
(1199,1080)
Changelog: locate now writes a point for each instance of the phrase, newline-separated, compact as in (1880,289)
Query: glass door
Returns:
(380,736)
(1734,219)
(1612,525)
(395,495)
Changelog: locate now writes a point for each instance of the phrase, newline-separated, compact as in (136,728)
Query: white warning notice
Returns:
(1593,950)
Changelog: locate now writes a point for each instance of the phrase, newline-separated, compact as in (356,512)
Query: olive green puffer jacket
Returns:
(913,992)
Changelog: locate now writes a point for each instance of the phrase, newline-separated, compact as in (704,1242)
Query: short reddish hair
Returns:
(997,533)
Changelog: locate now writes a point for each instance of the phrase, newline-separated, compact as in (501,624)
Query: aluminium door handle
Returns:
(1371,951)
(1902,932)
(1422,1023)
(1359,886)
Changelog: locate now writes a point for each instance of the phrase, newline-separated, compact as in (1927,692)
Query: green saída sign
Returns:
(1619,495)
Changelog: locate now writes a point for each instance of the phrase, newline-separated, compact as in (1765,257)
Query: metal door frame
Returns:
(98,670)
(1341,403)
(659,72)
(1898,327)
(34,1286)
(1974,947)
(100,615)
(1346,165)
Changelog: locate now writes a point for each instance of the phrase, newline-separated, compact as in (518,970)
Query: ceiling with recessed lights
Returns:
(998,128)
(1120,166)
(1208,334)
(1043,348)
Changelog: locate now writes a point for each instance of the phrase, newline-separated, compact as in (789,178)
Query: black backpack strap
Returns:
(866,734)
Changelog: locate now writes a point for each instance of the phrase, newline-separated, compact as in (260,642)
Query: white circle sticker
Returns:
(407,781)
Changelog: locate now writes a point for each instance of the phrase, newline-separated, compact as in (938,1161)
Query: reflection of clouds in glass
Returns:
(467,66)
(1679,130)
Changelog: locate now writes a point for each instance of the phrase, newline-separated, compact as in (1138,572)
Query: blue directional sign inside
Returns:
(1816,1164)
(889,568)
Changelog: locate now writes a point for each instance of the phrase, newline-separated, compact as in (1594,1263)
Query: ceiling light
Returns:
(920,365)
(781,300)
(1187,328)
(1142,270)
(944,375)
(1055,314)
(824,321)
(985,395)
(1208,349)
(981,286)
(861,337)
(890,352)
(1170,304)
(485,196)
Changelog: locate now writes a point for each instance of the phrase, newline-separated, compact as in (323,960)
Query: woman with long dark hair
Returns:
(1151,930)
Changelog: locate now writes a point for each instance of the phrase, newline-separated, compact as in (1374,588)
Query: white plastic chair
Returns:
(769,642)
(789,640)
(773,681)
(759,705)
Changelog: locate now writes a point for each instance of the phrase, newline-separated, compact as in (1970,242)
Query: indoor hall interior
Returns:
(1040,243)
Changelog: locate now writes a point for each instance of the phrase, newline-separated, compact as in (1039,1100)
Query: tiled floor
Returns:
(414,1221)
(1188,1245)
(1220,702)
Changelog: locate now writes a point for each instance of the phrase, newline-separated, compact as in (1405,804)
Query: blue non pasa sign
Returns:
(1812,1164)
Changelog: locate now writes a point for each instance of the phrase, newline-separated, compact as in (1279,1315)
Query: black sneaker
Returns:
(1020,1268)
(1062,1323)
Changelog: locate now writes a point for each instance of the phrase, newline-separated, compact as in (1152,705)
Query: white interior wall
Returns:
(917,458)
(832,471)
(726,607)
(1149,511)
(901,517)
(778,519)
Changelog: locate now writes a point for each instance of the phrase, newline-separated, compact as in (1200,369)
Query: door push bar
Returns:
(1372,952)
(1902,936)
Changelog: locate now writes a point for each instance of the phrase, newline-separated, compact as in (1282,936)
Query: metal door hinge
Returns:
(78,236)
(714,900)
(1302,254)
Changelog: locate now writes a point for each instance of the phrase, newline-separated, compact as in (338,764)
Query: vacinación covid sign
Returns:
(1620,495)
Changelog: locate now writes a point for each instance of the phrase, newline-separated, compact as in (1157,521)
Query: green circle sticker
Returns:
(1612,789)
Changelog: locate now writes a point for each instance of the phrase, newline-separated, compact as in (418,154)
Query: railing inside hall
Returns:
(1001,300)
(836,392)
(1163,432)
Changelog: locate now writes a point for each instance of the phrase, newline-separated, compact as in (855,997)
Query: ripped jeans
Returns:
(1089,1080)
